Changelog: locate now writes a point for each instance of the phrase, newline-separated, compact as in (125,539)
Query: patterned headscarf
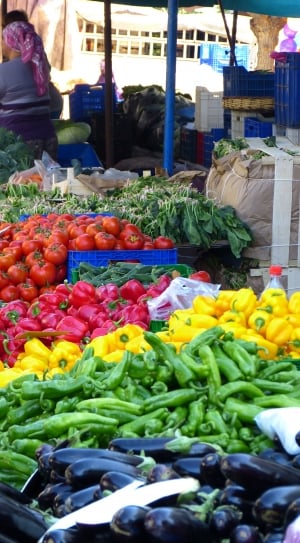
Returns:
(22,37)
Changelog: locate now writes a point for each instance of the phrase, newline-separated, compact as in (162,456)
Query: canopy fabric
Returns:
(278,8)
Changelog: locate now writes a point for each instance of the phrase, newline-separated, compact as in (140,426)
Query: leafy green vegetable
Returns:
(69,132)
(15,154)
(225,146)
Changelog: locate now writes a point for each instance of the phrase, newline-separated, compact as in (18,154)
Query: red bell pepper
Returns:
(136,313)
(163,282)
(76,329)
(54,299)
(82,293)
(132,290)
(13,311)
(88,311)
(107,293)
(51,319)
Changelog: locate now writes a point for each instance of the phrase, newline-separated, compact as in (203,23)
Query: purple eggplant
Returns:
(161,472)
(238,496)
(114,480)
(127,524)
(188,466)
(211,473)
(245,533)
(223,519)
(175,525)
(270,508)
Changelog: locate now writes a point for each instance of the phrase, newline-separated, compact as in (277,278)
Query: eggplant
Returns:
(276,536)
(71,535)
(14,494)
(211,472)
(280,457)
(127,524)
(292,512)
(257,474)
(188,466)
(296,461)
(45,498)
(82,497)
(60,459)
(157,448)
(245,533)
(223,519)
(175,525)
(44,466)
(86,472)
(20,522)
(114,480)
(270,508)
(238,496)
(55,477)
(161,472)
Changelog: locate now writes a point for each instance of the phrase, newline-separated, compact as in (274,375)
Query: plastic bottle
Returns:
(275,278)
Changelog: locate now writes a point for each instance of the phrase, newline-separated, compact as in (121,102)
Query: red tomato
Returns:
(31,245)
(129,229)
(76,230)
(111,225)
(4,280)
(9,293)
(28,291)
(16,250)
(120,245)
(61,273)
(148,246)
(3,243)
(93,228)
(6,260)
(134,242)
(201,275)
(18,273)
(57,236)
(33,258)
(161,242)
(56,253)
(104,241)
(84,242)
(43,273)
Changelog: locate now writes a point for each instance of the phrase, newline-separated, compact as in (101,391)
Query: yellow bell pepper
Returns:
(277,305)
(137,345)
(33,363)
(244,301)
(294,302)
(272,293)
(37,348)
(49,374)
(184,333)
(279,331)
(233,316)
(223,301)
(268,350)
(259,320)
(204,305)
(101,345)
(2,367)
(201,320)
(293,319)
(64,355)
(121,336)
(234,328)
(9,375)
(115,356)
(294,342)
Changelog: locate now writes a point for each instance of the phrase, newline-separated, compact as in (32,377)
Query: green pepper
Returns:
(273,386)
(173,398)
(159,387)
(194,418)
(237,446)
(53,388)
(5,405)
(94,404)
(245,361)
(183,374)
(227,367)
(239,387)
(274,368)
(208,337)
(176,418)
(214,417)
(27,446)
(19,463)
(29,409)
(118,372)
(137,427)
(33,429)
(195,365)
(277,400)
(246,412)
(57,425)
(214,378)
(67,404)
(165,372)
(153,427)
(292,376)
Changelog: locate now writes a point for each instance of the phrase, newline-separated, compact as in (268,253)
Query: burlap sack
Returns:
(248,186)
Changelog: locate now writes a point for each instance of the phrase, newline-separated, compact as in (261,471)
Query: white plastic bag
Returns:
(179,295)
(283,423)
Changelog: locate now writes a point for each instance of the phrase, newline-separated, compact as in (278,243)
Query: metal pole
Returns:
(108,113)
(168,158)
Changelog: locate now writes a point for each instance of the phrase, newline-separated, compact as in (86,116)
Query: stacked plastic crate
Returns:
(287,95)
(209,123)
(247,95)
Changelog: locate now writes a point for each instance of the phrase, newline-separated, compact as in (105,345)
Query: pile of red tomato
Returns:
(33,253)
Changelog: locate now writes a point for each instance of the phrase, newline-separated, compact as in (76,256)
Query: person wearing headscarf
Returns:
(24,88)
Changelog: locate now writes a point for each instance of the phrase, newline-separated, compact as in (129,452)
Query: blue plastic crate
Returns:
(253,128)
(103,258)
(238,82)
(85,100)
(209,139)
(188,144)
(217,56)
(287,91)
(227,123)
(84,152)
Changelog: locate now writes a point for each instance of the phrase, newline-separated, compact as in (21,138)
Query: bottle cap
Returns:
(275,270)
